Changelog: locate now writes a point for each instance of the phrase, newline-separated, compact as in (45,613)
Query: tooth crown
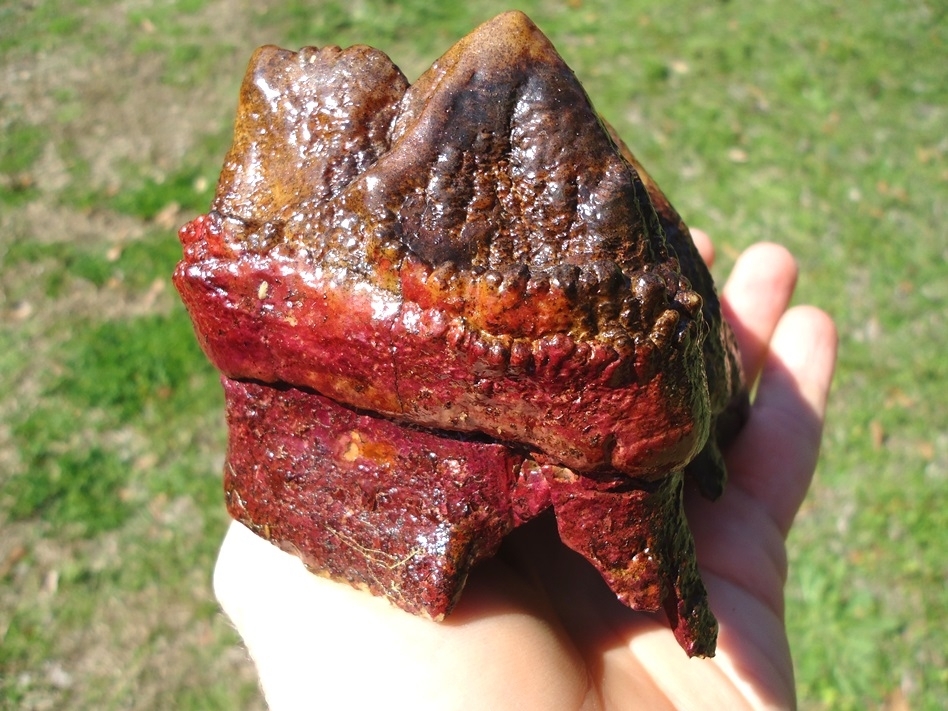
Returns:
(493,161)
(337,160)
(477,238)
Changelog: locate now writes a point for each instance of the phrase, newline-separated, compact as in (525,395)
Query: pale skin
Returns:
(536,628)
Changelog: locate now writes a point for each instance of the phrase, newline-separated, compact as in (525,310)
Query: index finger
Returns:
(775,455)
(754,297)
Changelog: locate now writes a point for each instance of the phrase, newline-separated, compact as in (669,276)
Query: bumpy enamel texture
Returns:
(440,309)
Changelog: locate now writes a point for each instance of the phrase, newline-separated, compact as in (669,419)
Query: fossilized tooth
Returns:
(443,308)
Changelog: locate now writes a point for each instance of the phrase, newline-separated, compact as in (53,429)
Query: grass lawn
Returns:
(819,125)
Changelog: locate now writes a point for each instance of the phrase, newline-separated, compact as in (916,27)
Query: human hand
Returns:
(536,627)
